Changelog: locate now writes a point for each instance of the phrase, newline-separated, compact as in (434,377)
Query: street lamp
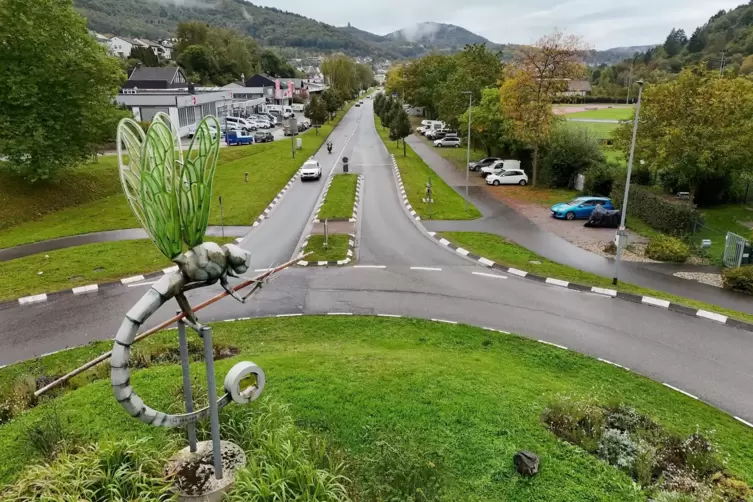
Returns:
(621,233)
(468,141)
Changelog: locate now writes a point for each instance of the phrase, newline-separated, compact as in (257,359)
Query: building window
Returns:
(186,116)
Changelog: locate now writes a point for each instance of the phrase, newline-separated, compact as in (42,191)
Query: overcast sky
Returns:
(603,23)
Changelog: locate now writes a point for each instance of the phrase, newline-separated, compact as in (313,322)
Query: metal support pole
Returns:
(627,185)
(468,150)
(183,343)
(214,412)
(222,219)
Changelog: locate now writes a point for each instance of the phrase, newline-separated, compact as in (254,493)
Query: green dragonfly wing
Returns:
(160,181)
(130,139)
(197,176)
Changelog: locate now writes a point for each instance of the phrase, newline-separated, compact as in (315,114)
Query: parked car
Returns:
(582,207)
(240,124)
(441,133)
(271,118)
(311,170)
(500,165)
(449,141)
(263,137)
(505,177)
(475,166)
(238,138)
(192,130)
(288,114)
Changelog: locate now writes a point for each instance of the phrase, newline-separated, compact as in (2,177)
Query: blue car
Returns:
(582,207)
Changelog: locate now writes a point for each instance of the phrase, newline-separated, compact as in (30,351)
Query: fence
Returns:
(734,249)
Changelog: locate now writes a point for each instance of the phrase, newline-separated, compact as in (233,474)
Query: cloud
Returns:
(420,31)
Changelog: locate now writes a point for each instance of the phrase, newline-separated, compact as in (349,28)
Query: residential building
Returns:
(121,46)
(159,50)
(577,88)
(156,78)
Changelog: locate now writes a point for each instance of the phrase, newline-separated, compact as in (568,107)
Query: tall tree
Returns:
(488,124)
(58,87)
(538,75)
(400,127)
(273,66)
(696,126)
(364,76)
(424,78)
(332,100)
(190,33)
(340,73)
(476,68)
(145,55)
(316,111)
(675,42)
(199,63)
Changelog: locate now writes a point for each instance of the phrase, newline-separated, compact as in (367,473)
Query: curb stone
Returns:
(356,203)
(349,258)
(401,187)
(643,300)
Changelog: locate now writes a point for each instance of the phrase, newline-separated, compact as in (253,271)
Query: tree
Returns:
(385,116)
(537,76)
(696,127)
(58,88)
(145,55)
(316,111)
(190,33)
(364,76)
(273,66)
(340,73)
(697,41)
(570,151)
(332,100)
(488,124)
(423,80)
(400,127)
(198,61)
(378,103)
(676,40)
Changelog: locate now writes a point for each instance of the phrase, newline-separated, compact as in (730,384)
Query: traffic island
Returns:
(328,250)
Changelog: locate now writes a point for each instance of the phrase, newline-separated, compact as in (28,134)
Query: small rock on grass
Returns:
(526,463)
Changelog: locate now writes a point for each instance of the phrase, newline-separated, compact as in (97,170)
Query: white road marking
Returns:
(339,313)
(444,321)
(556,282)
(149,283)
(388,315)
(614,364)
(656,302)
(711,315)
(430,269)
(32,299)
(288,315)
(744,422)
(497,330)
(85,289)
(680,391)
(135,278)
(553,344)
(602,291)
(370,266)
(495,276)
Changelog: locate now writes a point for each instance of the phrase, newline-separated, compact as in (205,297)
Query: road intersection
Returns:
(401,270)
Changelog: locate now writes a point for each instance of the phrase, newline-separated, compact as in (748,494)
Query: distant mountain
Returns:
(616,54)
(439,36)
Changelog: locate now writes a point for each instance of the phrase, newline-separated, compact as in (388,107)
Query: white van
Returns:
(432,125)
(499,166)
(298,107)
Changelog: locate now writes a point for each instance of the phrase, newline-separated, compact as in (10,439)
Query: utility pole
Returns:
(621,232)
(468,150)
(721,66)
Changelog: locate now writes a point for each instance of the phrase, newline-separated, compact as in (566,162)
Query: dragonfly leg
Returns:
(191,318)
(226,286)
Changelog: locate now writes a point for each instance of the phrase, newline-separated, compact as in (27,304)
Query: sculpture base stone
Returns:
(194,472)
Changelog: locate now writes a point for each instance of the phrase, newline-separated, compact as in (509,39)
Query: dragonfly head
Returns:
(238,259)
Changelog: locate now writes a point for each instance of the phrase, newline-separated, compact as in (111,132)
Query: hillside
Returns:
(438,36)
(615,54)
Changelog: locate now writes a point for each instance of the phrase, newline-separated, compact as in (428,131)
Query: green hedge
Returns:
(661,214)
(739,279)
(666,248)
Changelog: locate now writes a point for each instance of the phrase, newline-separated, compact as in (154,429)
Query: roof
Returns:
(149,42)
(578,85)
(127,39)
(150,73)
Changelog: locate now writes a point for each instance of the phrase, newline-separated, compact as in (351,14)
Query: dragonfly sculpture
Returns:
(171,196)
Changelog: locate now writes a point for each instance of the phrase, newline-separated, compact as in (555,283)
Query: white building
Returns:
(121,46)
(159,50)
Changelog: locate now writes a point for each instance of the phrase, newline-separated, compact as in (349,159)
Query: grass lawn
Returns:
(510,254)
(340,197)
(623,113)
(337,248)
(458,156)
(719,220)
(598,130)
(81,265)
(89,199)
(615,156)
(381,390)
(448,204)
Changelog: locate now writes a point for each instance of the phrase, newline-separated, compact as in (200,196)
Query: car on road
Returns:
(505,177)
(263,137)
(582,207)
(358,105)
(311,170)
(448,141)
(475,166)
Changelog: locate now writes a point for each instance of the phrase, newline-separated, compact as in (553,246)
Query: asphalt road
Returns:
(420,279)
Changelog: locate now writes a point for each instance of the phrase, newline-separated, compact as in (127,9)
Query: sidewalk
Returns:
(107,236)
(500,219)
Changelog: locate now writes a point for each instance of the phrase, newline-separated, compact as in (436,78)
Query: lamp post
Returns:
(468,149)
(621,233)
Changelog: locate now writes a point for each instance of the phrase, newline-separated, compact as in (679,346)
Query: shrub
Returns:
(578,422)
(674,218)
(98,473)
(667,248)
(600,178)
(739,279)
(617,449)
(570,151)
(645,462)
(284,462)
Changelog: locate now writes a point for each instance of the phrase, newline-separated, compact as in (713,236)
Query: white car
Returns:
(449,141)
(505,177)
(499,165)
(311,170)
(239,124)
(192,130)
(288,115)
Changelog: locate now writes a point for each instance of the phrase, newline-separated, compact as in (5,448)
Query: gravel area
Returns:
(633,252)
(710,279)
